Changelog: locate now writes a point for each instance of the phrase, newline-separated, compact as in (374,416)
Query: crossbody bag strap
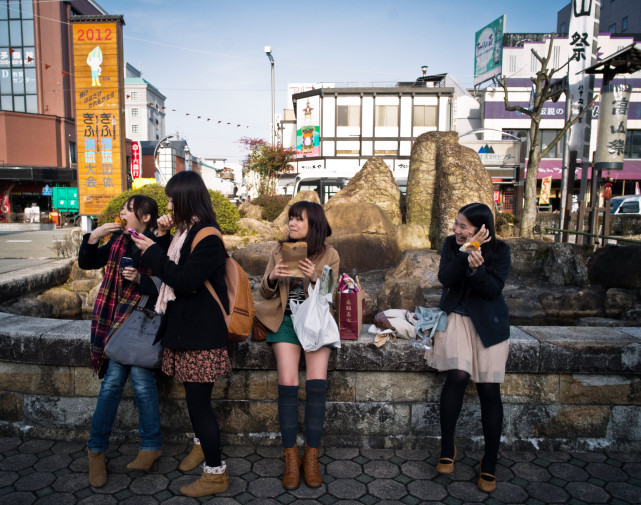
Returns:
(206,232)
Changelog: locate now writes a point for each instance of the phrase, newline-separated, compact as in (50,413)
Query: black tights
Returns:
(491,415)
(203,419)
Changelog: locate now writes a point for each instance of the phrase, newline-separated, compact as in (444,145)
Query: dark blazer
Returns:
(482,292)
(194,319)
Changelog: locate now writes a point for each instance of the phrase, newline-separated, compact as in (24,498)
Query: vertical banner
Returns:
(488,51)
(308,127)
(546,185)
(613,126)
(99,85)
(582,39)
(135,160)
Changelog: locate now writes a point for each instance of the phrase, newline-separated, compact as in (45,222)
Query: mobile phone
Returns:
(126,261)
(133,233)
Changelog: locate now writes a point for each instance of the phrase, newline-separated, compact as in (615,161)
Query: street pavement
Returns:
(49,472)
(26,249)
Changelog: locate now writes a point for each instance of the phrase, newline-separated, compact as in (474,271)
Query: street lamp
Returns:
(268,52)
(161,180)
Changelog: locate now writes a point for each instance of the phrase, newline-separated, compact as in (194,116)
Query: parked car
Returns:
(630,204)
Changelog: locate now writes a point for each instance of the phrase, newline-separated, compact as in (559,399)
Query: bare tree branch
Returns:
(571,122)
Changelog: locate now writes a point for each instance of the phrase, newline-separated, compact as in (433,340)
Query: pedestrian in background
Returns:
(475,343)
(307,222)
(119,293)
(194,332)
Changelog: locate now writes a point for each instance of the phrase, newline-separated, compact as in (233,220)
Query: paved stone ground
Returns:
(49,472)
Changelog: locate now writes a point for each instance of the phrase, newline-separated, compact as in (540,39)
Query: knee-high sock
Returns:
(451,403)
(315,411)
(288,414)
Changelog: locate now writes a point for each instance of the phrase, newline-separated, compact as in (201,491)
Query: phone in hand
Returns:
(134,233)
(126,261)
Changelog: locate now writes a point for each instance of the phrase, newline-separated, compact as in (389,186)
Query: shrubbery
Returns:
(272,205)
(226,212)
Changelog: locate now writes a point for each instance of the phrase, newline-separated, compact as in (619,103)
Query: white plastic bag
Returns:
(313,322)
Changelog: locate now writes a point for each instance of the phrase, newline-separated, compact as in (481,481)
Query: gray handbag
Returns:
(132,343)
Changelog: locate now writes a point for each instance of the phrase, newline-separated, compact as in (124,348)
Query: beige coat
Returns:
(271,311)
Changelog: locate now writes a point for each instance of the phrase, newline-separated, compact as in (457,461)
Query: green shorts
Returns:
(286,334)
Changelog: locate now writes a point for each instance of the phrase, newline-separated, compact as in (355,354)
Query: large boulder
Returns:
(282,221)
(411,237)
(566,305)
(616,267)
(374,183)
(364,237)
(256,230)
(66,304)
(528,255)
(403,293)
(443,176)
(78,273)
(567,264)
(254,257)
(250,210)
(419,265)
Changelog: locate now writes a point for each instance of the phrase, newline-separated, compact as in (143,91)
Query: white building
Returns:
(338,129)
(144,107)
(518,66)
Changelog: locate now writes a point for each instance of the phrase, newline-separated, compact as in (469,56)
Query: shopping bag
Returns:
(351,307)
(313,323)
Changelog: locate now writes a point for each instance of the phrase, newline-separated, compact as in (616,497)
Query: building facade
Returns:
(617,16)
(37,101)
(144,107)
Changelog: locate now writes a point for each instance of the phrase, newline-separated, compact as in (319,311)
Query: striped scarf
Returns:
(113,303)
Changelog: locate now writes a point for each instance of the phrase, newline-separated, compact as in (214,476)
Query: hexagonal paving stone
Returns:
(381,469)
(53,463)
(18,462)
(568,472)
(589,457)
(387,489)
(265,487)
(34,481)
(58,499)
(342,452)
(507,492)
(624,491)
(35,446)
(268,467)
(308,493)
(9,443)
(586,492)
(344,469)
(547,493)
(19,498)
(466,491)
(418,470)
(603,471)
(8,478)
(346,489)
(237,466)
(149,484)
(378,454)
(99,500)
(531,472)
(115,482)
(71,483)
(427,490)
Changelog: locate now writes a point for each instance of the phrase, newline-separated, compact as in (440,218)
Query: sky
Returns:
(207,56)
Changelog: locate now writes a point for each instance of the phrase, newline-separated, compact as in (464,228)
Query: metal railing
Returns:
(593,235)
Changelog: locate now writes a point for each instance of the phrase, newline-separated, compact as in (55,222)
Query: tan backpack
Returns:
(241,303)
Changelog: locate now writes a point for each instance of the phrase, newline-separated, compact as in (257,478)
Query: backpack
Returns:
(241,303)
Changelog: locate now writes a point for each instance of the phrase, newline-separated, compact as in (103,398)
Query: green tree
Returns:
(269,162)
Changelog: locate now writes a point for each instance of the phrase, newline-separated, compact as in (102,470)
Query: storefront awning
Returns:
(631,170)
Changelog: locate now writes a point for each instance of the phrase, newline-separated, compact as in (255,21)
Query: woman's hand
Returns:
(280,270)
(474,260)
(103,231)
(482,236)
(142,242)
(131,274)
(308,268)
(165,223)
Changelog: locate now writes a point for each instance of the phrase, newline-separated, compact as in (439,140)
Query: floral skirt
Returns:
(188,365)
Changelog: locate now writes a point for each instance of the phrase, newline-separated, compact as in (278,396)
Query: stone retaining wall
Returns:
(566,388)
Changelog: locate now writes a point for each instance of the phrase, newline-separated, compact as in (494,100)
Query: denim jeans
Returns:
(146,394)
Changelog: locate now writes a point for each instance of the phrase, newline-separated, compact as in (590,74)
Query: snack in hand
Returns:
(123,223)
(471,246)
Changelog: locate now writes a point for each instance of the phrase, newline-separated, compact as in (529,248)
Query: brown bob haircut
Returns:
(319,228)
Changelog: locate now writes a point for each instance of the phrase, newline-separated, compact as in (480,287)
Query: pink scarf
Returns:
(166,293)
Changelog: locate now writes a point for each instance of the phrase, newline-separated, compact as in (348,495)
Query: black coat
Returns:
(194,319)
(482,293)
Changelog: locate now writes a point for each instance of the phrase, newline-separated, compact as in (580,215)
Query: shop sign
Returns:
(498,153)
(135,159)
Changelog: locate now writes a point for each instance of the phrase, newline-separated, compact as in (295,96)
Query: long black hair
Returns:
(141,205)
(480,214)
(190,200)
(318,227)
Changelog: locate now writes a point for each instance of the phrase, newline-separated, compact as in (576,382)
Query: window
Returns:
(73,153)
(563,28)
(632,144)
(547,136)
(134,95)
(425,115)
(387,115)
(134,128)
(624,24)
(613,28)
(629,208)
(134,112)
(349,115)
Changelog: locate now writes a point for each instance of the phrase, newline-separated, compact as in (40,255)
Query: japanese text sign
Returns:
(613,126)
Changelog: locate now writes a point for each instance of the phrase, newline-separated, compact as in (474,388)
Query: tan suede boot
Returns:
(311,467)
(291,473)
(145,461)
(208,483)
(97,469)
(193,459)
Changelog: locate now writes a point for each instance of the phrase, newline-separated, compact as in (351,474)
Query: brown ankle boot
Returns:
(193,459)
(146,461)
(291,474)
(208,483)
(97,470)
(311,467)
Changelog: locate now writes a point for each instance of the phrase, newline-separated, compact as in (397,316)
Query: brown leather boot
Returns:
(146,461)
(97,469)
(208,483)
(291,473)
(193,459)
(311,467)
